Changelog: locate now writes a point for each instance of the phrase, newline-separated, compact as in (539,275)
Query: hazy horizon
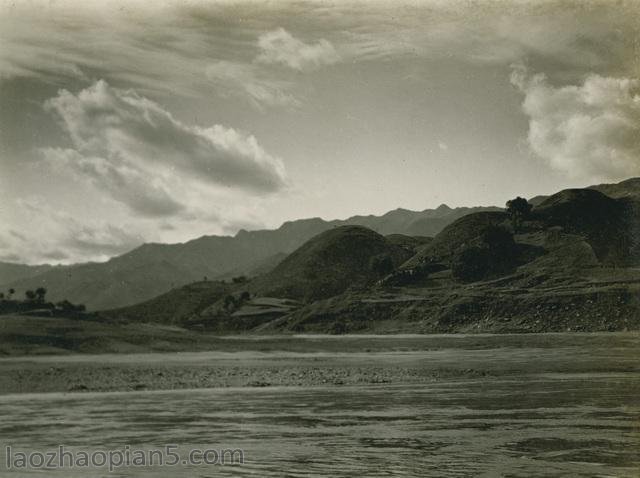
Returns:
(128,123)
(328,219)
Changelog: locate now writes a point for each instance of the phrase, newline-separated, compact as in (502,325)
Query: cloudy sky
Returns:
(163,121)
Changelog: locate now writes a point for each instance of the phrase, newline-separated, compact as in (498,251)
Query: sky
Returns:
(126,122)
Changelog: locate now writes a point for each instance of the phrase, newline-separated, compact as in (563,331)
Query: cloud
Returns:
(559,36)
(261,86)
(247,81)
(590,130)
(280,47)
(49,234)
(167,49)
(125,183)
(132,148)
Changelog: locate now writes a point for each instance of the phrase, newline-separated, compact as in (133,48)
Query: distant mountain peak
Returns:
(443,207)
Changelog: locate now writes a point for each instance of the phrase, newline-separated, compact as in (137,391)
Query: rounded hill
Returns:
(603,221)
(330,263)
(460,233)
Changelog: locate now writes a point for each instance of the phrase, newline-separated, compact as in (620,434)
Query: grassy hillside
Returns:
(629,188)
(624,189)
(152,269)
(575,251)
(571,263)
(604,222)
(175,306)
(330,263)
(456,235)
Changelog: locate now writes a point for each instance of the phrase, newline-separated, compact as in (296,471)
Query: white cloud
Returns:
(51,235)
(260,84)
(132,148)
(590,130)
(247,81)
(126,183)
(280,47)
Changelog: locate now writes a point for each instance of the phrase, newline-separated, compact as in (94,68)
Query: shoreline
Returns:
(314,361)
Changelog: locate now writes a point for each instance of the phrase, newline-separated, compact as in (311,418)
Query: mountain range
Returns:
(571,263)
(153,269)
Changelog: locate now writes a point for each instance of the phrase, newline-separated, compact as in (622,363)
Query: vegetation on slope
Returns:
(175,306)
(330,263)
(153,269)
(607,224)
(569,263)
(35,303)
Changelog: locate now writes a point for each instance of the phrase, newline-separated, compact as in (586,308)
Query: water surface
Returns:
(552,405)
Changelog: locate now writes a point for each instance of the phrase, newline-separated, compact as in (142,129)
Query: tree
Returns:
(518,210)
(30,295)
(11,292)
(41,292)
(240,279)
(66,306)
(245,297)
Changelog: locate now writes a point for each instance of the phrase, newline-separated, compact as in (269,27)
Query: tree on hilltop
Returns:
(518,210)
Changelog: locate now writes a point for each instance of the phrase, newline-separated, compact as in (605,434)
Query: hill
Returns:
(609,225)
(570,263)
(330,263)
(11,272)
(458,234)
(175,306)
(153,269)
(624,189)
(629,188)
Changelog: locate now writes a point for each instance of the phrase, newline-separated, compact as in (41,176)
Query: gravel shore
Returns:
(83,377)
(320,361)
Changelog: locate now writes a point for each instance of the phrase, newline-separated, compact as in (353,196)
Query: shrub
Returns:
(230,303)
(66,306)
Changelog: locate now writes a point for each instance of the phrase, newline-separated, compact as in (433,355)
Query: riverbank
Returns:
(273,361)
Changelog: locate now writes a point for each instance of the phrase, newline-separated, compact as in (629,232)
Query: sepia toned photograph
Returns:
(320,238)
